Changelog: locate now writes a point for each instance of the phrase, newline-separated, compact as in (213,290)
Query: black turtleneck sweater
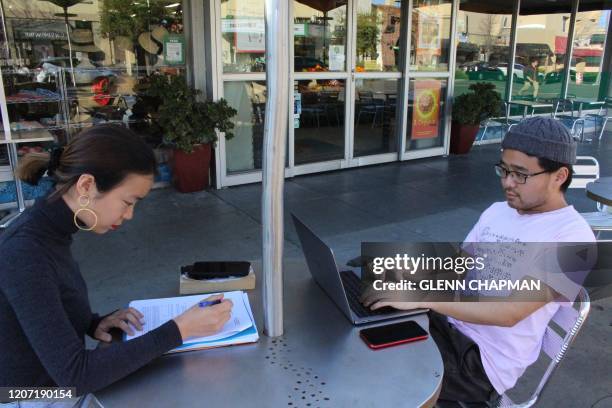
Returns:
(45,312)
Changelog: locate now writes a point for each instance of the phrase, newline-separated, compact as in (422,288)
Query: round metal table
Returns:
(320,361)
(600,190)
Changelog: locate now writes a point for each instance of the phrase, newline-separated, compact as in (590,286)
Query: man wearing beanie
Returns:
(486,347)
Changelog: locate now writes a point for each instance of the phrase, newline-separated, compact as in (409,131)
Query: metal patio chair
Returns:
(604,115)
(586,170)
(501,121)
(555,343)
(564,113)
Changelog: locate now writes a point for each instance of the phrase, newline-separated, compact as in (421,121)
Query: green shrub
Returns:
(481,103)
(184,120)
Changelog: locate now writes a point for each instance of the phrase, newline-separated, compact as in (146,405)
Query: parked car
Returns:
(517,73)
(480,70)
(82,76)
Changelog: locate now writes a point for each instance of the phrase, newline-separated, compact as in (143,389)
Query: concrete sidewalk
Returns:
(436,199)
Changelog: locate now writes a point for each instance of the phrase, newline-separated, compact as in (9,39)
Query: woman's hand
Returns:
(204,321)
(124,319)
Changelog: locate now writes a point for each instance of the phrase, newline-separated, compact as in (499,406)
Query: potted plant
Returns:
(190,126)
(469,110)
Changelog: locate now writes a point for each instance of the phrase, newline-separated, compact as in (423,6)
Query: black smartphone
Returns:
(392,334)
(216,269)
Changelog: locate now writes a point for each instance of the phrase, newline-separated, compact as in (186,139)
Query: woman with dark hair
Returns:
(44,309)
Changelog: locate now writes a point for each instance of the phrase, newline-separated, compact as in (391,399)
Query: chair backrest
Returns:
(569,318)
(563,105)
(586,170)
(607,106)
(365,94)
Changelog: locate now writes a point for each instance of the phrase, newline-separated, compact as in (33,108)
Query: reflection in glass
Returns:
(243,40)
(319,35)
(375,116)
(587,56)
(319,120)
(244,151)
(483,49)
(541,51)
(426,113)
(430,38)
(378,35)
(88,59)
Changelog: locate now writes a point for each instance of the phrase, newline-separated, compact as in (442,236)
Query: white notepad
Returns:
(239,329)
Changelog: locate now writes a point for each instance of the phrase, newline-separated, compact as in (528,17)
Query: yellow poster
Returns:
(426,109)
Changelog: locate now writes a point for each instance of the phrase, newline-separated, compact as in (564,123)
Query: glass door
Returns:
(376,80)
(429,84)
(357,70)
(346,65)
(317,125)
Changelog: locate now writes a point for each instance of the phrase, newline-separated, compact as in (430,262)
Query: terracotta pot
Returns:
(462,137)
(191,169)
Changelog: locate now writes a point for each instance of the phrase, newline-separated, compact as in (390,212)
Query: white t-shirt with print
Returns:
(507,351)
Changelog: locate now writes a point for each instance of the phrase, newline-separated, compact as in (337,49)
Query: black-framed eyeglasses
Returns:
(519,178)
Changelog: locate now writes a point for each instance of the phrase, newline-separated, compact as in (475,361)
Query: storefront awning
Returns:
(323,5)
(561,46)
(587,52)
(533,7)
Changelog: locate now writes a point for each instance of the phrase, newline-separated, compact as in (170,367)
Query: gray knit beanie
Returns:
(542,137)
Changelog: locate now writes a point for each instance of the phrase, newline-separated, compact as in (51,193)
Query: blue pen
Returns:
(205,303)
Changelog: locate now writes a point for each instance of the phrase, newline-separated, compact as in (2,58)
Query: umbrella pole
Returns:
(275,137)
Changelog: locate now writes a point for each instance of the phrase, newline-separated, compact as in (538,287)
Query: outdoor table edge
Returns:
(598,198)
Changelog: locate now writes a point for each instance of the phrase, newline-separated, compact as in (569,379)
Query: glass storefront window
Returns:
(73,67)
(541,48)
(587,56)
(319,36)
(375,116)
(378,35)
(243,40)
(319,120)
(430,38)
(426,105)
(67,65)
(244,151)
(483,49)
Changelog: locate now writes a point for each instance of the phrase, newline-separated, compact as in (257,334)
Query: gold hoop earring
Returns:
(83,203)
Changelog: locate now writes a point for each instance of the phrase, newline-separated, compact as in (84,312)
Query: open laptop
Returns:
(343,287)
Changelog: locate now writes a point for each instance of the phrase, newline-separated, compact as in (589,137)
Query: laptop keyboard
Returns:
(352,287)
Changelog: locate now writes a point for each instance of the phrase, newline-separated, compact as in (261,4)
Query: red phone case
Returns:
(393,343)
